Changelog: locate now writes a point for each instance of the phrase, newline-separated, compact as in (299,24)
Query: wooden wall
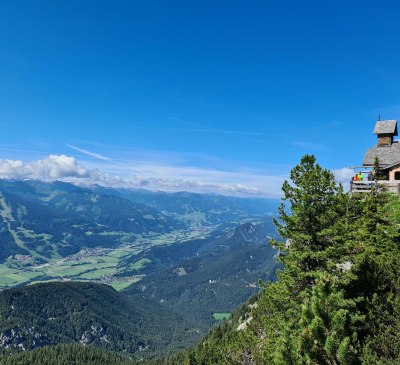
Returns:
(385,139)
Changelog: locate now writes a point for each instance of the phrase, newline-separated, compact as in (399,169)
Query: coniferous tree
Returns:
(315,225)
(329,324)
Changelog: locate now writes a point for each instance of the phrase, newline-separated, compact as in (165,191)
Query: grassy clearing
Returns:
(122,251)
(11,276)
(97,273)
(112,233)
(69,269)
(51,196)
(139,264)
(221,316)
(120,285)
(30,234)
(173,238)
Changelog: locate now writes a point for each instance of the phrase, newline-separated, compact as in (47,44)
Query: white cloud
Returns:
(50,168)
(152,177)
(173,185)
(343,175)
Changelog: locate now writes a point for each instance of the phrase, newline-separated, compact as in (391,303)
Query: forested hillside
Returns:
(89,314)
(337,300)
(204,279)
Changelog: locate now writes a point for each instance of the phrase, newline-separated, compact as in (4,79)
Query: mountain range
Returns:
(180,263)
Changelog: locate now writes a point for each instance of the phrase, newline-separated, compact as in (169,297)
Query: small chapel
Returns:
(385,156)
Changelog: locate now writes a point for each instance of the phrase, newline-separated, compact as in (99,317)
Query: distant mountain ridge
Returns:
(218,208)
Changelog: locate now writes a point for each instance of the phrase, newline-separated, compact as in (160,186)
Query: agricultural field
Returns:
(120,285)
(95,264)
(11,276)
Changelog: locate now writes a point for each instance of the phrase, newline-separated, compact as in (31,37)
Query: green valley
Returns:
(58,231)
(98,264)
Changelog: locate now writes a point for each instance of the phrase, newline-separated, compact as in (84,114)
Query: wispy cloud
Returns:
(243,134)
(222,131)
(90,153)
(303,145)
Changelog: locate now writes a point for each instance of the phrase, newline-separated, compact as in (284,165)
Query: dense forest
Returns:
(335,302)
(90,314)
(65,354)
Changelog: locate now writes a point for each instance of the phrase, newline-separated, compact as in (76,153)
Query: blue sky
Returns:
(221,96)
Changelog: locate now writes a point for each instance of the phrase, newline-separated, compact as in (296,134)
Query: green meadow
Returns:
(103,263)
(221,316)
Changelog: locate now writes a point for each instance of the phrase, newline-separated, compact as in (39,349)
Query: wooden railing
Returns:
(362,186)
(366,186)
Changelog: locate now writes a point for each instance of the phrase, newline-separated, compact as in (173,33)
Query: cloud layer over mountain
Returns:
(153,177)
(66,168)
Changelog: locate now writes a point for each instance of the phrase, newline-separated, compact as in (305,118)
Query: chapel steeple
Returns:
(385,130)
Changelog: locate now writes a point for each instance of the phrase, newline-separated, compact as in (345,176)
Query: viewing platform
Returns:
(367,186)
(362,186)
(381,164)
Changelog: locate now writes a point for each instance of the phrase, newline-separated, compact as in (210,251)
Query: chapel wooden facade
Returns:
(387,153)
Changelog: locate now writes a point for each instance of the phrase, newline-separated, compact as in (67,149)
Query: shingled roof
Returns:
(387,156)
(386,127)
